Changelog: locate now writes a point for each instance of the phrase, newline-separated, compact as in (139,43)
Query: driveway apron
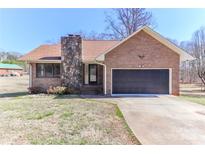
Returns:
(164,119)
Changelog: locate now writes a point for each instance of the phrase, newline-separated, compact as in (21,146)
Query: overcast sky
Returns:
(22,30)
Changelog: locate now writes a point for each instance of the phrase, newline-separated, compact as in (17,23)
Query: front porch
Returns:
(93,79)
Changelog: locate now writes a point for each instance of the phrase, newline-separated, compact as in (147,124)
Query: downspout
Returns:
(105,77)
(30,75)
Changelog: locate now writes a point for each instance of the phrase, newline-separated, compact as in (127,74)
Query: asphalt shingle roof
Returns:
(90,50)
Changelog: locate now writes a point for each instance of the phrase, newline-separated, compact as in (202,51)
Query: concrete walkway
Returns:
(164,120)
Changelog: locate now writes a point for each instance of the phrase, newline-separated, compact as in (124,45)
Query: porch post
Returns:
(105,80)
(30,75)
(86,73)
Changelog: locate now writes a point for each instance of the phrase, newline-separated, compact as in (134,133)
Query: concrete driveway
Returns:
(164,120)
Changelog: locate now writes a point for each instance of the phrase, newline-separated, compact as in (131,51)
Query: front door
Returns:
(92,73)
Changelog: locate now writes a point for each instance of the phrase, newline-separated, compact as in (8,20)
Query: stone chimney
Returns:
(71,58)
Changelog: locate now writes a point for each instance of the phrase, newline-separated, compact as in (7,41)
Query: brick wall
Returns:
(43,82)
(156,55)
(4,71)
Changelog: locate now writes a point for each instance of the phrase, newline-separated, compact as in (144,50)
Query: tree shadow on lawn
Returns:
(14,94)
(69,96)
(66,96)
(19,94)
(72,96)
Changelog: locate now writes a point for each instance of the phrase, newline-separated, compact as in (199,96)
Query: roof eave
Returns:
(186,57)
(100,58)
(12,68)
(43,61)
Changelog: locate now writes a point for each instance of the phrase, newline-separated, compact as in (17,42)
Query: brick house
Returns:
(10,70)
(143,63)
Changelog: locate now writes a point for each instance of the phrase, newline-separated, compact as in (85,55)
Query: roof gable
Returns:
(183,54)
(93,48)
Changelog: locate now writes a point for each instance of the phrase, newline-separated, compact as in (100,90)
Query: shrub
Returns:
(35,90)
(72,91)
(59,90)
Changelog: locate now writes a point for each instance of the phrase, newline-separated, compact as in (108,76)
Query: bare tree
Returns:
(94,35)
(125,21)
(188,69)
(198,40)
(5,55)
(174,41)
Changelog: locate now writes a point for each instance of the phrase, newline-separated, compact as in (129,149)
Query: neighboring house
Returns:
(143,63)
(10,70)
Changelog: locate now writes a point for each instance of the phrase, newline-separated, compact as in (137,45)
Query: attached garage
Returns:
(143,63)
(140,81)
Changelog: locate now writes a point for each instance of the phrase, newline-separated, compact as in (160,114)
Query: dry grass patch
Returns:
(12,86)
(61,120)
(194,99)
(192,90)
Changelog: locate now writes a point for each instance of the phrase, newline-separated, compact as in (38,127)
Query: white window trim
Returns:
(170,80)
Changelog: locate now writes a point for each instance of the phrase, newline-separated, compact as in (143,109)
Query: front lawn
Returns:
(43,119)
(195,99)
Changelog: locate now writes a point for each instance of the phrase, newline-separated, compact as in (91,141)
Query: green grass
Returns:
(118,113)
(195,99)
(50,119)
(67,114)
(53,141)
(38,116)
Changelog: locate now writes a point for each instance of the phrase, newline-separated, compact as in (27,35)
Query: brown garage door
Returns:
(147,81)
